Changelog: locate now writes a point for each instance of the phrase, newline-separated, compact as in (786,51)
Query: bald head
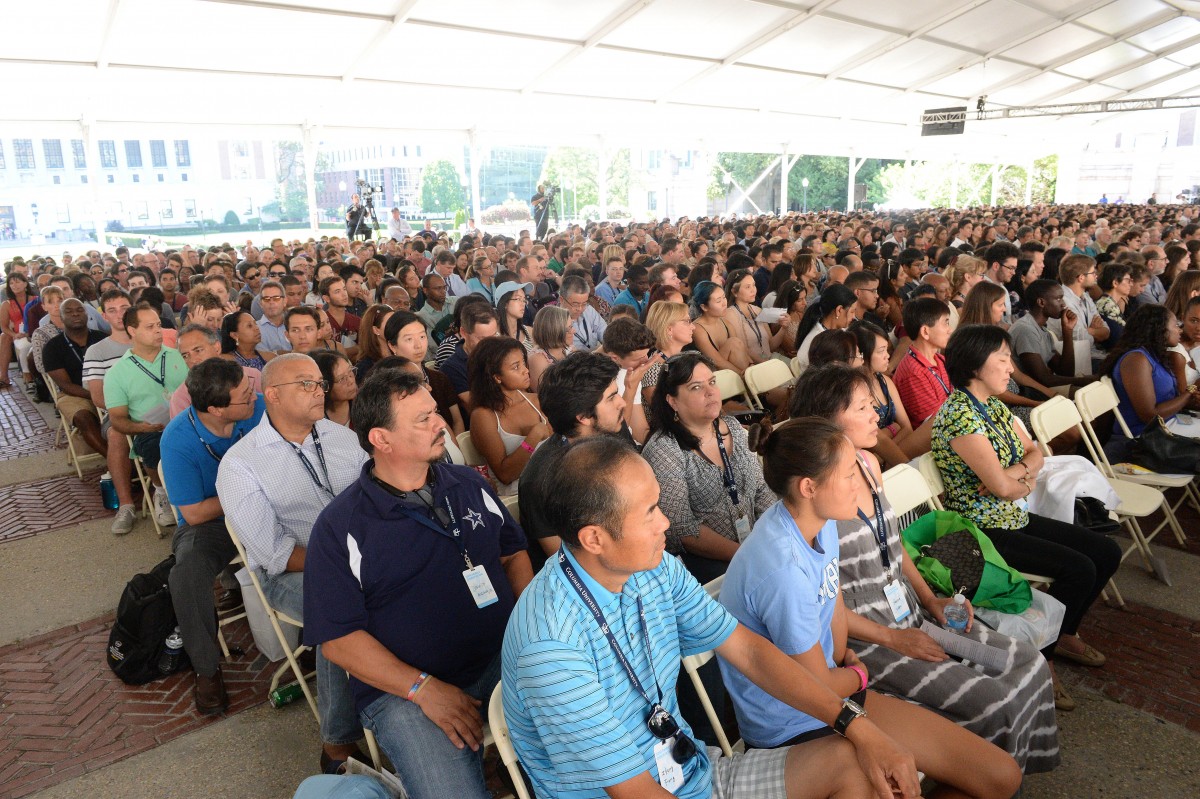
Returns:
(837,274)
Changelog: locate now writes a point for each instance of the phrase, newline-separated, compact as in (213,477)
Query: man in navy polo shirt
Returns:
(225,407)
(411,575)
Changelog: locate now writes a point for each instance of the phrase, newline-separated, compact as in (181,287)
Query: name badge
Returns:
(896,599)
(742,526)
(481,586)
(1022,503)
(670,773)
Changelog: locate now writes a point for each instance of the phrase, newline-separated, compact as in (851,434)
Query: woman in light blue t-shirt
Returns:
(783,584)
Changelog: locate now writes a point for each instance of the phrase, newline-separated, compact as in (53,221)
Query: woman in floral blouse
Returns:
(1116,284)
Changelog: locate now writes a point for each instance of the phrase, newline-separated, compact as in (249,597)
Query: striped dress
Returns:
(1014,710)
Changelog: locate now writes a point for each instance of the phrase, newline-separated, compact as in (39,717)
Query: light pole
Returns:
(728,178)
(804,183)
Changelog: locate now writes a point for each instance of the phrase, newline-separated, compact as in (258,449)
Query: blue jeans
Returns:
(335,703)
(427,763)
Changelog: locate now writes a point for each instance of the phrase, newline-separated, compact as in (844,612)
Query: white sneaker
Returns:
(123,523)
(162,509)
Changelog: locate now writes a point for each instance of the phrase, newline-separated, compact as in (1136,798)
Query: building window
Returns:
(23,152)
(158,153)
(167,210)
(79,153)
(133,153)
(108,154)
(183,155)
(653,159)
(241,149)
(3,165)
(83,179)
(189,209)
(111,179)
(183,177)
(57,179)
(64,214)
(52,149)
(137,178)
(162,178)
(142,210)
(651,201)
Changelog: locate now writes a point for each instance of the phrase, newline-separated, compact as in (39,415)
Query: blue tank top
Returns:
(1164,388)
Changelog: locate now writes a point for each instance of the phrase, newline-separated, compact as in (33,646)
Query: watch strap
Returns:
(850,711)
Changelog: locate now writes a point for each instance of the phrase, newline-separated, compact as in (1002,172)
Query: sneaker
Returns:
(123,523)
(162,509)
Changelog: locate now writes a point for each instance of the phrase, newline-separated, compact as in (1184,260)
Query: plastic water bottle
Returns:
(108,492)
(956,614)
(168,661)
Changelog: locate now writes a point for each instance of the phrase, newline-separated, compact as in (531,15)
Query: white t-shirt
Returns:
(637,395)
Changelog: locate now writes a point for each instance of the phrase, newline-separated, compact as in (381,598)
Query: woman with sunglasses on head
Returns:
(712,486)
(338,373)
(887,600)
(784,584)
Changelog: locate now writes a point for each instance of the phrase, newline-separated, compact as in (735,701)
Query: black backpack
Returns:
(145,617)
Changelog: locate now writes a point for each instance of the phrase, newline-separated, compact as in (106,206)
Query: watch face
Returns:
(850,704)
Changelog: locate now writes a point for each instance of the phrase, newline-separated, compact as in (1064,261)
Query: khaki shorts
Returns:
(69,406)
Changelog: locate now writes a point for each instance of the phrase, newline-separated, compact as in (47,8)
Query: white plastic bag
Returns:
(1038,625)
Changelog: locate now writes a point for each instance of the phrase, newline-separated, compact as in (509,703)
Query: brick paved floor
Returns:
(23,431)
(32,508)
(63,713)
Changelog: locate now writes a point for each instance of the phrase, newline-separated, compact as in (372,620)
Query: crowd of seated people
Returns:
(309,394)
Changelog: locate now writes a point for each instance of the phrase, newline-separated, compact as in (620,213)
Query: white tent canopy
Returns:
(834,76)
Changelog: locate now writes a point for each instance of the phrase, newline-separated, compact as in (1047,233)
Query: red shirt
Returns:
(348,328)
(923,386)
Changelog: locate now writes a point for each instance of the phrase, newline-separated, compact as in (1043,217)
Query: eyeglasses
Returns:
(662,725)
(308,386)
(348,377)
(273,298)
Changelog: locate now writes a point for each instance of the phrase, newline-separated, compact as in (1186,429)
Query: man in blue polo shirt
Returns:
(635,293)
(411,574)
(224,409)
(593,649)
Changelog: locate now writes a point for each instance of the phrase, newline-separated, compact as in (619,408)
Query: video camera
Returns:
(368,192)
(552,190)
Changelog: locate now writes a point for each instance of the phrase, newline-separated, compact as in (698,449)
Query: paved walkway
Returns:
(69,728)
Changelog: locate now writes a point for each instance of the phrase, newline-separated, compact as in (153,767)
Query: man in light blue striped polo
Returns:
(593,649)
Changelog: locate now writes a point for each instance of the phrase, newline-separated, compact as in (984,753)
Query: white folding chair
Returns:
(1096,399)
(147,487)
(731,385)
(692,664)
(276,617)
(471,455)
(514,507)
(503,741)
(66,429)
(763,377)
(1057,415)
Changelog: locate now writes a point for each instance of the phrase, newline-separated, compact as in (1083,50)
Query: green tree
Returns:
(441,189)
(930,184)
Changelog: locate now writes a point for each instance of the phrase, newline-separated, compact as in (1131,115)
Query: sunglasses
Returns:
(662,725)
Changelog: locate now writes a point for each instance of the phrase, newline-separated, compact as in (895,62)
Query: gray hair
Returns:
(270,372)
(210,335)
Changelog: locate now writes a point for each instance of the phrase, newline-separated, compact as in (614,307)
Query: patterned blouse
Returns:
(960,417)
(693,489)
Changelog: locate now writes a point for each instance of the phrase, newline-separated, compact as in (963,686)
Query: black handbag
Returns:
(1160,450)
(960,553)
(1091,514)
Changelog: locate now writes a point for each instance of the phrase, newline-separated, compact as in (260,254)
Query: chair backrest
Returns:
(731,385)
(262,597)
(162,481)
(905,489)
(1097,399)
(503,741)
(1051,419)
(471,456)
(794,365)
(514,507)
(933,477)
(772,373)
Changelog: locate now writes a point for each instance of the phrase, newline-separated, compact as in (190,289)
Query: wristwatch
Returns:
(851,710)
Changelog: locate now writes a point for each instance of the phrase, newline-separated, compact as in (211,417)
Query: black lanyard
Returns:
(162,378)
(590,602)
(192,418)
(74,349)
(880,528)
(933,371)
(316,437)
(753,325)
(1011,442)
(727,475)
(448,527)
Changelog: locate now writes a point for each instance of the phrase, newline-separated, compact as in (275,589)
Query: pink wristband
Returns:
(525,446)
(862,676)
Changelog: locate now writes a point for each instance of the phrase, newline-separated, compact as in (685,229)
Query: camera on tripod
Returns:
(368,192)
(552,190)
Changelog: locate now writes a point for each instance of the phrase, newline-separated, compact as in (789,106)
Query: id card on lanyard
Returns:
(741,522)
(893,591)
(933,371)
(162,372)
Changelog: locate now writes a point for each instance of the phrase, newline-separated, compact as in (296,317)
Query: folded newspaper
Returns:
(389,781)
(962,647)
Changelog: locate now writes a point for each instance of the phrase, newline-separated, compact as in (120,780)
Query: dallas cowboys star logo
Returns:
(475,518)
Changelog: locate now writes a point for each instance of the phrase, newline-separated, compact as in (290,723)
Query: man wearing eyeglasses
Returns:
(224,408)
(593,650)
(1156,263)
(273,301)
(1077,273)
(273,484)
